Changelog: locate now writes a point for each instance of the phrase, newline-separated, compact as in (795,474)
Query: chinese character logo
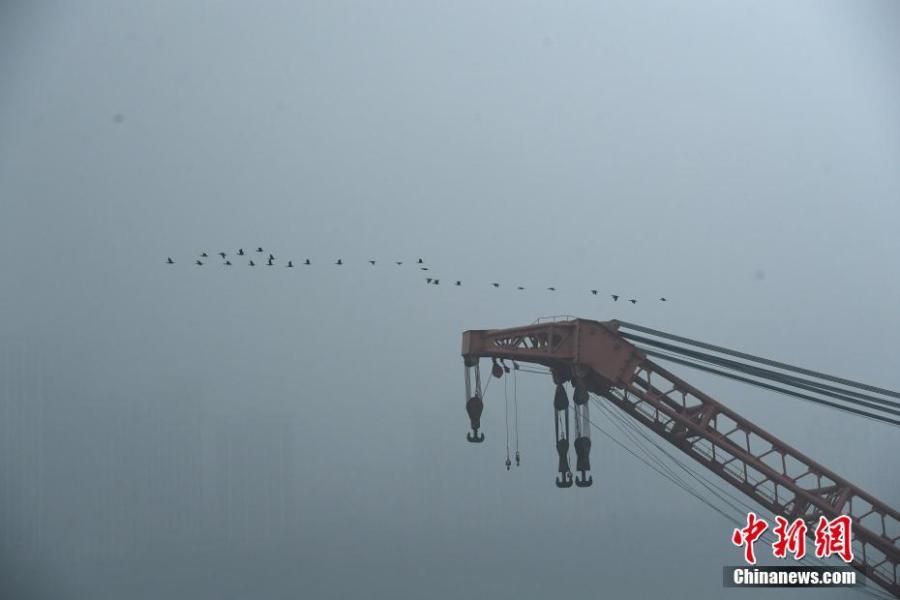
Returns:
(831,537)
(749,534)
(790,538)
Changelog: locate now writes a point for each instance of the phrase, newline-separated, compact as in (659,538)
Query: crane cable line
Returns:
(506,406)
(616,416)
(626,424)
(760,384)
(759,359)
(718,491)
(486,386)
(807,384)
(698,364)
(516,410)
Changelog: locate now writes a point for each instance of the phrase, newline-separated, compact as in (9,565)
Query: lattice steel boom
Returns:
(594,356)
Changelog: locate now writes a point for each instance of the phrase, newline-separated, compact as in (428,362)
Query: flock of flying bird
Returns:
(270,262)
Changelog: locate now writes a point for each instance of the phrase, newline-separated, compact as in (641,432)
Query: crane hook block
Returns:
(474,407)
(583,461)
(560,399)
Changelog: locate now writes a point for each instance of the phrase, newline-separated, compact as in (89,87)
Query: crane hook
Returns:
(583,461)
(474,407)
(475,437)
(565,473)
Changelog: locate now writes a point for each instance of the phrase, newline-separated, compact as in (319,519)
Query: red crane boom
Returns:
(596,358)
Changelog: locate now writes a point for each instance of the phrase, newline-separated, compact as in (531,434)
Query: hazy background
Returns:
(187,432)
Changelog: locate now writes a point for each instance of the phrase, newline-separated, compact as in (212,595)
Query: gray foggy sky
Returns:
(208,433)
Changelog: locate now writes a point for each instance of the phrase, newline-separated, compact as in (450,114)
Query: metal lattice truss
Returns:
(766,469)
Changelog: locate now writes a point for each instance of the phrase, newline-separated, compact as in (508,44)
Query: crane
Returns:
(602,358)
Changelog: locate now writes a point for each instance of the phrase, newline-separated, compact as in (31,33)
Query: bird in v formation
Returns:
(419,261)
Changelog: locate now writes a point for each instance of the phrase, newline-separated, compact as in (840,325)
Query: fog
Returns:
(178,431)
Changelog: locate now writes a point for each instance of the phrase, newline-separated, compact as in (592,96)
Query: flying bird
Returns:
(372,262)
(614,297)
(459,283)
(632,300)
(552,289)
(227,263)
(271,257)
(204,255)
(398,262)
(420,261)
(437,282)
(424,268)
(307,262)
(594,292)
(520,288)
(662,299)
(240,251)
(198,263)
(270,262)
(252,264)
(290,263)
(339,262)
(428,280)
(222,254)
(170,261)
(259,249)
(496,285)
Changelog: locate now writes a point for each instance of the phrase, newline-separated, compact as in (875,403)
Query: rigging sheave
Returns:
(595,357)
